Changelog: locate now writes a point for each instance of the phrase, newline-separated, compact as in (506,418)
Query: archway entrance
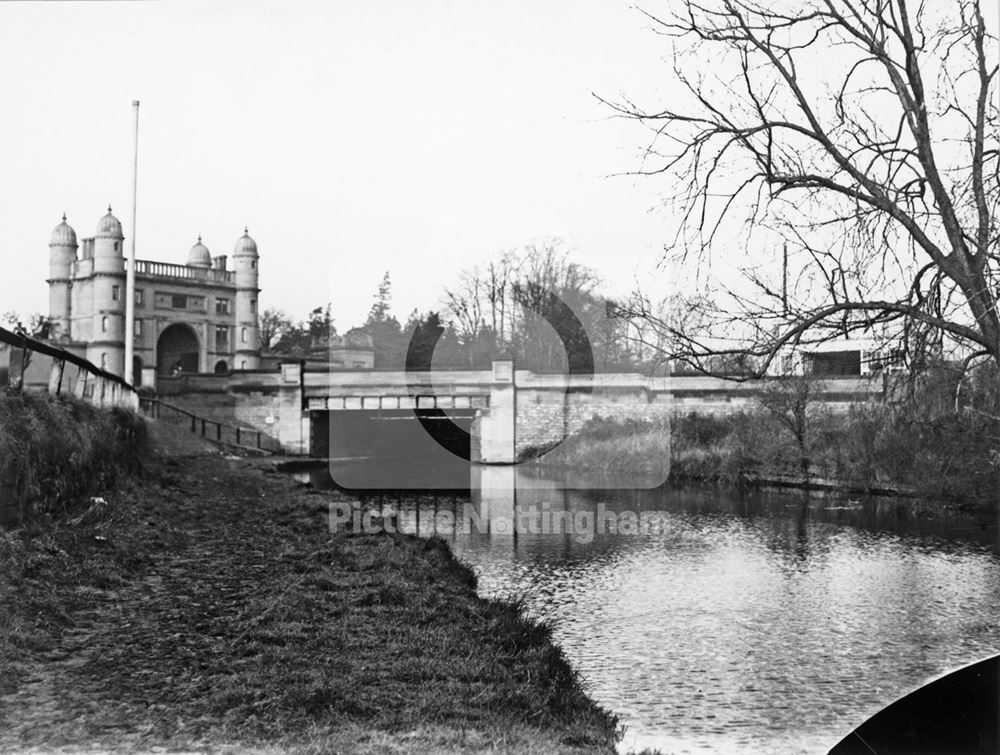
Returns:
(177,350)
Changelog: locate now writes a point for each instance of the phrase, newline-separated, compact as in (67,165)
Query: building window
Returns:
(253,264)
(243,335)
(138,327)
(222,306)
(243,364)
(104,324)
(115,292)
(138,297)
(178,301)
(221,338)
(253,306)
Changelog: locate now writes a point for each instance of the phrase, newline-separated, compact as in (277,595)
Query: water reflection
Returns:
(754,622)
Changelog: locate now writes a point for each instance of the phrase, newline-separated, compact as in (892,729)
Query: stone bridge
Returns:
(497,413)
(505,413)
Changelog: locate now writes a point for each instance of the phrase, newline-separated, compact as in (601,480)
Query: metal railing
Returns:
(90,383)
(210,429)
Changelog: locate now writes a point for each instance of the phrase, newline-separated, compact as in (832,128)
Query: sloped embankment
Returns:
(208,606)
(53,450)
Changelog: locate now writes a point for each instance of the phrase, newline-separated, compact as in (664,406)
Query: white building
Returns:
(197,317)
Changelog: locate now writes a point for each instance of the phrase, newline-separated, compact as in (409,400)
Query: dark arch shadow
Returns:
(177,350)
(420,353)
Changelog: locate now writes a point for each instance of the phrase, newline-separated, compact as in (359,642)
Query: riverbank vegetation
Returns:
(918,445)
(53,450)
(208,605)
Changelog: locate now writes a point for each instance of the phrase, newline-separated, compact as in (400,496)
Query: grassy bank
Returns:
(208,606)
(950,456)
(54,450)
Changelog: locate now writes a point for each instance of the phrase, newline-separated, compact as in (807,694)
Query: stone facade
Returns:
(198,317)
(549,415)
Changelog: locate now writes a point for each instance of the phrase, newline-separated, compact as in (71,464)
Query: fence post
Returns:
(203,428)
(218,431)
(258,439)
(55,376)
(16,368)
(194,425)
(81,383)
(237,435)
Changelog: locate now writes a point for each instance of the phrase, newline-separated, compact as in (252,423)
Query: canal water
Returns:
(717,621)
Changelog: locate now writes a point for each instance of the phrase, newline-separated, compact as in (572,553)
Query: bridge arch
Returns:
(177,350)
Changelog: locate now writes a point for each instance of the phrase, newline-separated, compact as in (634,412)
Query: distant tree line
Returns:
(531,302)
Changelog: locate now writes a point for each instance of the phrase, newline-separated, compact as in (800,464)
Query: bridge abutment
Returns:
(293,420)
(493,430)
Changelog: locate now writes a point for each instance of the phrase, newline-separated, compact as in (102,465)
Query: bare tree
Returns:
(791,401)
(850,146)
(520,299)
(274,324)
(465,302)
(36,325)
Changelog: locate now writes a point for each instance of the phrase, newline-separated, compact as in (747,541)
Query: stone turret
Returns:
(62,256)
(109,254)
(247,275)
(106,347)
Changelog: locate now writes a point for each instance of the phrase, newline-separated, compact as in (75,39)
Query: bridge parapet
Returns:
(397,383)
(355,402)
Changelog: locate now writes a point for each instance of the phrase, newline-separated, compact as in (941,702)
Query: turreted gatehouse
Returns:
(197,317)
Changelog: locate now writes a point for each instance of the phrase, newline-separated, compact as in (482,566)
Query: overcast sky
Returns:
(351,138)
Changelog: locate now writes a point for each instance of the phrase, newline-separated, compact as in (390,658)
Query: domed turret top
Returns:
(245,246)
(199,255)
(63,234)
(109,226)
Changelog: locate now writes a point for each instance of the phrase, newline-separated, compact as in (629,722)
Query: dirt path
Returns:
(209,608)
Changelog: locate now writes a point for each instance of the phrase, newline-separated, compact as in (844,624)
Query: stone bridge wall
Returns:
(547,416)
(548,407)
(266,401)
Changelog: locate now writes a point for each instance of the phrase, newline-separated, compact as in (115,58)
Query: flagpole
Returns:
(130,376)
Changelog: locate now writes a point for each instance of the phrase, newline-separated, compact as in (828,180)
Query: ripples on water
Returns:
(754,623)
